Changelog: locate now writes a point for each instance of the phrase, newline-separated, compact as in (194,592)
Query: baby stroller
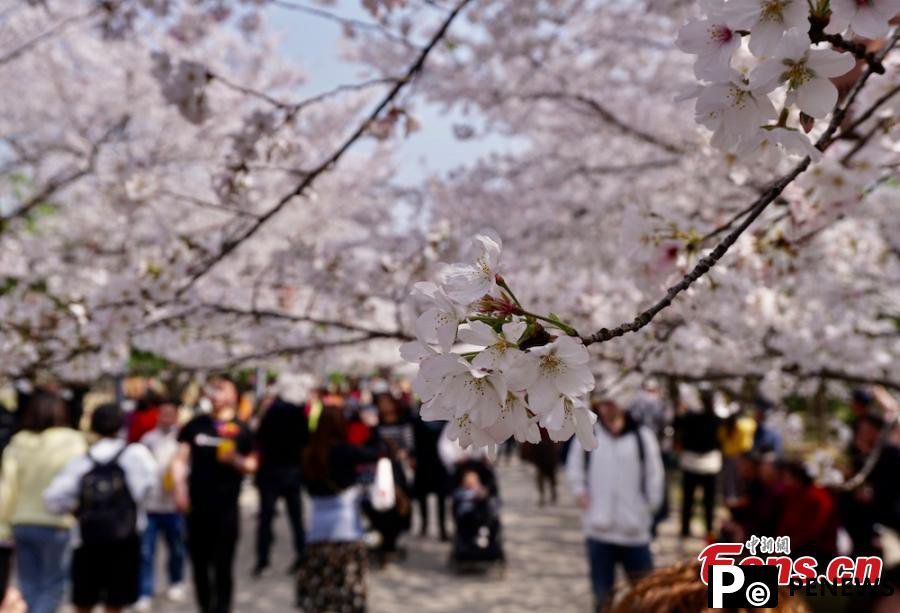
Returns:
(477,545)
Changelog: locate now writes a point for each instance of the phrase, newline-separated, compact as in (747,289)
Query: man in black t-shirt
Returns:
(215,452)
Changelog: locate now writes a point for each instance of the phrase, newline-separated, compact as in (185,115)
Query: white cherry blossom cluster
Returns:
(184,85)
(754,56)
(526,370)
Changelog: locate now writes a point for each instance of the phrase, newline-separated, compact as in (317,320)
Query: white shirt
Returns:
(61,496)
(618,511)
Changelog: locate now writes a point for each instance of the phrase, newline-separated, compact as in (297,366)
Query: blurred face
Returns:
(767,472)
(387,409)
(471,480)
(866,437)
(223,395)
(168,416)
(611,414)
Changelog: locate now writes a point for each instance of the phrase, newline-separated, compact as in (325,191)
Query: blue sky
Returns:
(315,44)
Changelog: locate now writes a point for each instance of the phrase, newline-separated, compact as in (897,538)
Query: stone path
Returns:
(546,568)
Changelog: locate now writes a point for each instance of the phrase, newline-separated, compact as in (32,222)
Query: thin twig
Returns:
(610,118)
(55,29)
(59,183)
(344,21)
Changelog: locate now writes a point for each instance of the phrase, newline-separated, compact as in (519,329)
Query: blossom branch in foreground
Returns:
(527,370)
(328,163)
(708,261)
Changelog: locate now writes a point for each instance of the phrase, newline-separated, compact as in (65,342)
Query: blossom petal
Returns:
(828,63)
(575,380)
(584,427)
(542,396)
(477,333)
(571,350)
(817,97)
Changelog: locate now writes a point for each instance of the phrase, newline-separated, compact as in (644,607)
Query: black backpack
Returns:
(107,512)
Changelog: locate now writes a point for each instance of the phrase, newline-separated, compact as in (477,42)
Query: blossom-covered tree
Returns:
(164,188)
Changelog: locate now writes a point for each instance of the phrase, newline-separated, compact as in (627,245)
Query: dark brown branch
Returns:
(759,205)
(292,351)
(610,118)
(293,107)
(863,140)
(60,182)
(870,111)
(316,321)
(333,159)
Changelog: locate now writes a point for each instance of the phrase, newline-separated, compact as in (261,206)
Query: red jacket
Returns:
(809,517)
(141,423)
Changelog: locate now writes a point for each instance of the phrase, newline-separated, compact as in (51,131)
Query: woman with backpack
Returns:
(106,488)
(619,486)
(33,457)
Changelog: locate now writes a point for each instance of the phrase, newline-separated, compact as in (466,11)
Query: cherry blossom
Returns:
(568,417)
(767,20)
(805,71)
(463,430)
(439,323)
(502,388)
(560,368)
(869,18)
(499,348)
(789,140)
(466,283)
(712,41)
(119,186)
(733,110)
(514,421)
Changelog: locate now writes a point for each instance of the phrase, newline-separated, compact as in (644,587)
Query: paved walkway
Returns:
(546,568)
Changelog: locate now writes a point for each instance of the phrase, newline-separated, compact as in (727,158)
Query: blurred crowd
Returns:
(89,490)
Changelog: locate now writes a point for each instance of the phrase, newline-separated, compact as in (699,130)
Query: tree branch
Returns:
(332,160)
(759,205)
(59,183)
(610,118)
(54,29)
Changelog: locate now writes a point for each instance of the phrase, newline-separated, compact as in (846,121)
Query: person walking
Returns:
(215,452)
(735,439)
(280,439)
(619,486)
(32,459)
(332,572)
(108,487)
(431,475)
(162,514)
(545,456)
(395,433)
(701,460)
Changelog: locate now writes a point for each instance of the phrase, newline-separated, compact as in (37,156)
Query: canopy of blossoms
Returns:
(701,190)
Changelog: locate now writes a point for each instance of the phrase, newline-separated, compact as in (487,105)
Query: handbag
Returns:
(382,492)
